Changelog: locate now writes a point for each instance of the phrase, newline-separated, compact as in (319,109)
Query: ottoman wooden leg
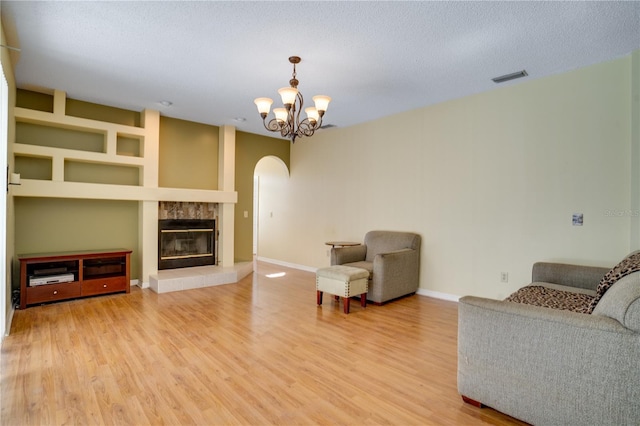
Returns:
(336,298)
(346,302)
(363,300)
(319,297)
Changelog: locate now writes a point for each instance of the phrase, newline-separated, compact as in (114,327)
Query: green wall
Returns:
(44,102)
(188,155)
(53,224)
(99,112)
(250,148)
(34,100)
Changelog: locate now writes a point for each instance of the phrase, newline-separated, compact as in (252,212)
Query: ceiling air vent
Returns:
(511,76)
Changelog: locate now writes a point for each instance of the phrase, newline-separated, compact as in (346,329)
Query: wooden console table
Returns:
(49,277)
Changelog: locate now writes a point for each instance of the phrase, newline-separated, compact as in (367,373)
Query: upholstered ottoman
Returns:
(342,281)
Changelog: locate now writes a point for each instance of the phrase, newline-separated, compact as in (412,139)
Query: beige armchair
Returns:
(392,259)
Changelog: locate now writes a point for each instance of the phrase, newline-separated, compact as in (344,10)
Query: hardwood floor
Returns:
(257,352)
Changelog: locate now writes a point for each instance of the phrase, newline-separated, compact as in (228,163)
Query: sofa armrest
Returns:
(622,302)
(547,366)
(587,277)
(342,255)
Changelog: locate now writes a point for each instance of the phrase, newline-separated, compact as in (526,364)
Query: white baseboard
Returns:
(421,291)
(139,283)
(437,295)
(287,264)
(9,321)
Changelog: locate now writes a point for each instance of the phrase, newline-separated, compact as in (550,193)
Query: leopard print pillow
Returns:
(629,265)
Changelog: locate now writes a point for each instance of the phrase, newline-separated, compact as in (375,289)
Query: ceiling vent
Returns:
(511,76)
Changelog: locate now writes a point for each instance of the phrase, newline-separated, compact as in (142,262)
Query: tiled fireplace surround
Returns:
(169,280)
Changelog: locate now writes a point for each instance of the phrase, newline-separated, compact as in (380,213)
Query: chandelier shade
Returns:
(281,114)
(288,95)
(287,119)
(264,105)
(312,114)
(322,102)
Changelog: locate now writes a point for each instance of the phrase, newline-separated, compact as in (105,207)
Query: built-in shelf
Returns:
(124,146)
(92,142)
(61,120)
(88,156)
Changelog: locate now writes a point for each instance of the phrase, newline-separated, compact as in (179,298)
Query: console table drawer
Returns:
(103,285)
(51,292)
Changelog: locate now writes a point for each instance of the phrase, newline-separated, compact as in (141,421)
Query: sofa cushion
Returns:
(566,288)
(539,295)
(622,302)
(628,265)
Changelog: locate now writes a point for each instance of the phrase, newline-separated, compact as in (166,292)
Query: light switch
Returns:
(246,214)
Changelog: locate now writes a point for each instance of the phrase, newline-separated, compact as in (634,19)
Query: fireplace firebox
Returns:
(186,242)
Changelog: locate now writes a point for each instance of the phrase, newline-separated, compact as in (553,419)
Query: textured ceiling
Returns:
(211,59)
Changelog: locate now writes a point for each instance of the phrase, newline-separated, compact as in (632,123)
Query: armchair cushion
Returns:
(363,264)
(343,255)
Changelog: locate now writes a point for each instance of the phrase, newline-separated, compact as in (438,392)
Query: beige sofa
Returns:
(392,259)
(550,366)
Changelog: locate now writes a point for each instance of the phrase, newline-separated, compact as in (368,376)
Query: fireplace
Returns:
(186,242)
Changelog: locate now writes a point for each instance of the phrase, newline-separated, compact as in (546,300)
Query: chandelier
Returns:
(287,120)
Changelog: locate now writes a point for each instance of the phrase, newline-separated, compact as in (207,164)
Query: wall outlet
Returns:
(504,277)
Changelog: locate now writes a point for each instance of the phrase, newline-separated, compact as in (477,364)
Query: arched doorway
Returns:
(270,196)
